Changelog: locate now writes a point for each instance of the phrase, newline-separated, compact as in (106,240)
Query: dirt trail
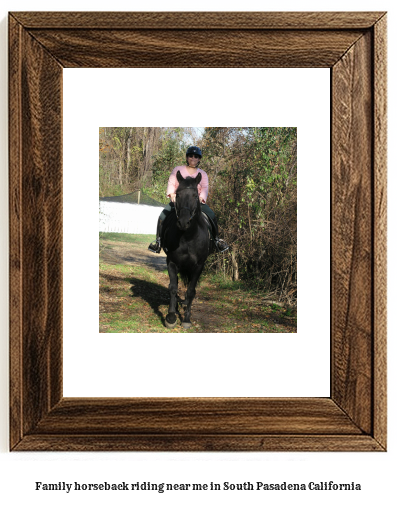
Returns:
(132,255)
(137,300)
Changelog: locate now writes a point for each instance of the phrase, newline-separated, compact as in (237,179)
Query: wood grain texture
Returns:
(353,45)
(380,229)
(202,20)
(302,416)
(352,257)
(36,230)
(196,48)
(15,229)
(199,443)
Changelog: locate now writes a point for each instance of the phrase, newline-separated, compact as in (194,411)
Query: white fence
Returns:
(130,218)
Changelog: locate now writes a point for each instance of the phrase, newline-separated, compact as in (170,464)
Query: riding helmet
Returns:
(194,150)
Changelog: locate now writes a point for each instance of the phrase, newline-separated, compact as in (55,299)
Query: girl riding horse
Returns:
(191,169)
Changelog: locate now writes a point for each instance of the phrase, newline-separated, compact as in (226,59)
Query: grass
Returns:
(134,299)
(244,308)
(134,239)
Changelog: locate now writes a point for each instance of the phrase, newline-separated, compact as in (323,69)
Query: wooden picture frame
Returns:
(353,46)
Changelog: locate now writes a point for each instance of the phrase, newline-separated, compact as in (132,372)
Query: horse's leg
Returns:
(170,320)
(190,294)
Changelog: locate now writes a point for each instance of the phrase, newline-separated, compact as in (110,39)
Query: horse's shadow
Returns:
(154,294)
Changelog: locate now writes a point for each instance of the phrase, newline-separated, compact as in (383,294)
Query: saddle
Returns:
(172,218)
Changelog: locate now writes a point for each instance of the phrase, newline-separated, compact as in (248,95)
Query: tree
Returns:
(253,174)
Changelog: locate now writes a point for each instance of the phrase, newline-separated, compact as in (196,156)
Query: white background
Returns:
(18,472)
(208,364)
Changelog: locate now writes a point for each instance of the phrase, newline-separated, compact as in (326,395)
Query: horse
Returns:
(187,244)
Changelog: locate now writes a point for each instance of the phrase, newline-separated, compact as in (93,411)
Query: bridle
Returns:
(192,213)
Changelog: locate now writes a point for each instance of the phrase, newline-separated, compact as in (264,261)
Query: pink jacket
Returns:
(173,183)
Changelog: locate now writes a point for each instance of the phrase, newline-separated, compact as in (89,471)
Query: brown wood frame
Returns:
(353,46)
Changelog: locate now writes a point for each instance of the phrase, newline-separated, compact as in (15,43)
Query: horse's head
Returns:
(187,204)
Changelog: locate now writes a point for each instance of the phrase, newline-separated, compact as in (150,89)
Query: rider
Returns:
(193,157)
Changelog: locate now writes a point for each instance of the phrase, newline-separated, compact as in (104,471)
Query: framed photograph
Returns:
(353,46)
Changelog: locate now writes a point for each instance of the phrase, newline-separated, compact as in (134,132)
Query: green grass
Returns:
(136,239)
(135,300)
(225,284)
(137,297)
(235,286)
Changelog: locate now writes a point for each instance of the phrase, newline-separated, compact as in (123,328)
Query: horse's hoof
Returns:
(186,325)
(170,325)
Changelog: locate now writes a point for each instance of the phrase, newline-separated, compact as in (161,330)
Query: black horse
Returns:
(187,244)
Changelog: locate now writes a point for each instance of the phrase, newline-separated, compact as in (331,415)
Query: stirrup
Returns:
(155,246)
(221,245)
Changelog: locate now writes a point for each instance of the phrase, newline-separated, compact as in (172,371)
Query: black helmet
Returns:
(194,150)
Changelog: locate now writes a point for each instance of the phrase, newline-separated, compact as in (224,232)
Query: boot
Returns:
(155,246)
(220,244)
